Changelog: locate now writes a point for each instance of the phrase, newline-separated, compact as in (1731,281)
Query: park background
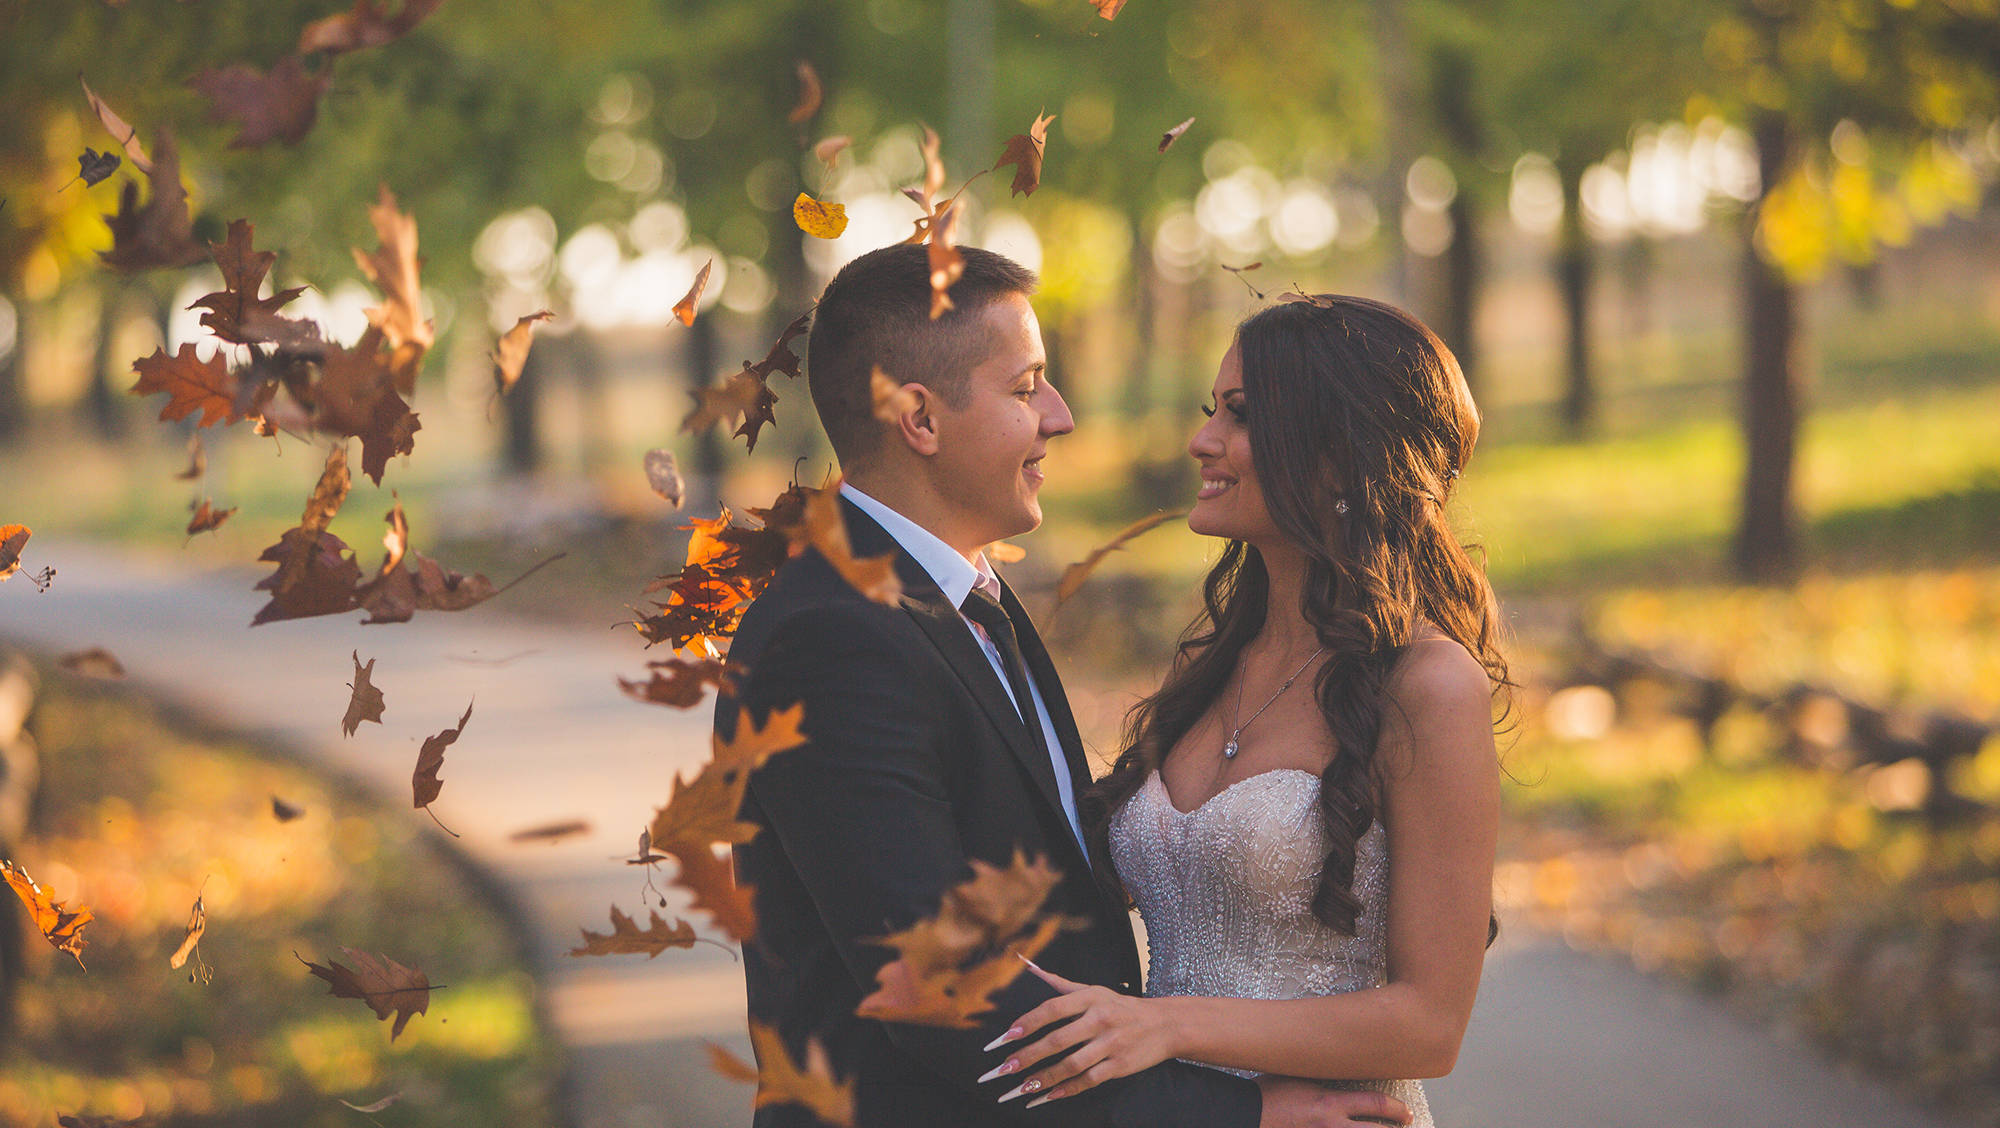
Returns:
(1724,274)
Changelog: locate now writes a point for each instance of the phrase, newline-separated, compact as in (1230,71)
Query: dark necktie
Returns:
(985,610)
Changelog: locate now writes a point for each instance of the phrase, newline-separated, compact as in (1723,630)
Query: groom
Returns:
(937,730)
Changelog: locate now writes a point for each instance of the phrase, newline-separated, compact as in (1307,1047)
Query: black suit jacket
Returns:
(916,762)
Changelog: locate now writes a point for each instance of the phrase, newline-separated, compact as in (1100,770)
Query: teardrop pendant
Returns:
(1230,749)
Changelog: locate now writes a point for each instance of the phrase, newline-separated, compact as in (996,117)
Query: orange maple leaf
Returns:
(61,927)
(191,383)
(625,937)
(385,985)
(779,1079)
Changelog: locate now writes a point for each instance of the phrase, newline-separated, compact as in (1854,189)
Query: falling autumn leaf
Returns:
(828,151)
(824,529)
(424,782)
(1108,8)
(781,1081)
(386,986)
(197,924)
(160,234)
(946,264)
(1024,151)
(95,662)
(284,812)
(625,938)
(1174,134)
(1240,271)
(1005,552)
(356,397)
(510,355)
(191,383)
(810,95)
(12,539)
(93,167)
(680,682)
(1074,575)
(365,701)
(393,269)
(278,105)
(551,832)
(821,220)
(684,309)
(207,518)
(197,460)
(316,575)
(236,313)
(947,968)
(892,400)
(374,1106)
(368,25)
(665,477)
(62,928)
(747,394)
(126,136)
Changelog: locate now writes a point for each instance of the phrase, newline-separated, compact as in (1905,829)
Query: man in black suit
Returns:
(921,754)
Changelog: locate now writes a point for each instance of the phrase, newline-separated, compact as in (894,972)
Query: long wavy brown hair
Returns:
(1345,399)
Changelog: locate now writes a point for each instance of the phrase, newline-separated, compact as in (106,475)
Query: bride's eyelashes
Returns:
(1234,407)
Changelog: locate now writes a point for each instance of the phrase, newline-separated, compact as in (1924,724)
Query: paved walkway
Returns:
(1559,1040)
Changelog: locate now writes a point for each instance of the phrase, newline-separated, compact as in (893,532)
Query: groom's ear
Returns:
(914,424)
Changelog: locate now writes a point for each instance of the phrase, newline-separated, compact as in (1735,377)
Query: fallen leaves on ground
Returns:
(625,937)
(1024,151)
(62,928)
(1074,576)
(685,308)
(386,986)
(95,662)
(680,682)
(821,219)
(779,1079)
(510,354)
(364,703)
(948,966)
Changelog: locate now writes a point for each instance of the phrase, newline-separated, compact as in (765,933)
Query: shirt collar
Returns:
(952,573)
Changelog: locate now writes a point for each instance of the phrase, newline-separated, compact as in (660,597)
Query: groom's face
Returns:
(988,465)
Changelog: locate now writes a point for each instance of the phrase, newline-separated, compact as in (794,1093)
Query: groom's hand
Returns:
(1292,1103)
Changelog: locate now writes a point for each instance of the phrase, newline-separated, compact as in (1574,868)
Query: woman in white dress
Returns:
(1314,866)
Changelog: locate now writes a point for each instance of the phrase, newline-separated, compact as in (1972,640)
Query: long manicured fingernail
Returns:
(1041,1100)
(1001,1070)
(1027,961)
(1031,1085)
(1004,1039)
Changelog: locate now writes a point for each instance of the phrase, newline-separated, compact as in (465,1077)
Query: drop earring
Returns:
(1340,506)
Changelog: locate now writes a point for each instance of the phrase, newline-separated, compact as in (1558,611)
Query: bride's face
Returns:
(1230,502)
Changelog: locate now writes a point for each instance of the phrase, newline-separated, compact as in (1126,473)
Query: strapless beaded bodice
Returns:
(1226,893)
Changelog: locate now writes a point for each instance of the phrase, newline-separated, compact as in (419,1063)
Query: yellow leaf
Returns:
(819,219)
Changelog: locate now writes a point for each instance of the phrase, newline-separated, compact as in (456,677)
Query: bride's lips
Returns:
(1213,485)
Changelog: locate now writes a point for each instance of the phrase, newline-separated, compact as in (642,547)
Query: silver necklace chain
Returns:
(1230,749)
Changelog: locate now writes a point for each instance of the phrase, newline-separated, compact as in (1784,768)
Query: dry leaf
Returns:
(365,702)
(665,477)
(945,262)
(60,927)
(1174,134)
(125,134)
(684,309)
(366,26)
(874,576)
(374,1106)
(315,575)
(828,150)
(277,106)
(712,881)
(96,662)
(13,538)
(424,782)
(197,460)
(160,234)
(207,518)
(781,1081)
(892,400)
(1240,271)
(1024,152)
(625,938)
(1108,8)
(191,383)
(510,355)
(1074,575)
(551,832)
(385,985)
(821,220)
(1005,552)
(393,269)
(284,812)
(197,924)
(810,95)
(93,167)
(680,682)
(356,396)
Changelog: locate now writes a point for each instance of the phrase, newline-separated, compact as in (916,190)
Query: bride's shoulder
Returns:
(1435,671)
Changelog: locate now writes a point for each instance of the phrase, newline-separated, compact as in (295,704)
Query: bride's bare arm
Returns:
(1442,816)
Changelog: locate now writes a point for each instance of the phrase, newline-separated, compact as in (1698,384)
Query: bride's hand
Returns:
(1114,1035)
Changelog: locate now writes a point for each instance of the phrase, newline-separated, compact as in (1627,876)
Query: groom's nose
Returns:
(1056,418)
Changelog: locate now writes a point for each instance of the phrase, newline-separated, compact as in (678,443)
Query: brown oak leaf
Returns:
(1024,152)
(207,518)
(510,354)
(323,572)
(285,812)
(424,782)
(386,986)
(95,662)
(192,385)
(236,313)
(625,938)
(160,234)
(665,477)
(551,832)
(1074,575)
(61,927)
(278,105)
(356,395)
(367,25)
(712,881)
(779,1079)
(197,460)
(680,682)
(946,263)
(365,701)
(824,529)
(393,268)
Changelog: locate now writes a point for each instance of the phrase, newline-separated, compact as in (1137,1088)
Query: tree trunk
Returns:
(1573,280)
(101,400)
(1462,269)
(13,404)
(521,447)
(704,485)
(1766,538)
(1399,131)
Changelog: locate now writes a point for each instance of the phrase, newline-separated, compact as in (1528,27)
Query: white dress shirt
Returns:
(956,577)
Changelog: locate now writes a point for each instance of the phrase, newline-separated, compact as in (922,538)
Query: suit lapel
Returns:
(1043,669)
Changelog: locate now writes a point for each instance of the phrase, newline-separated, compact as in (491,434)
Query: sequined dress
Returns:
(1226,894)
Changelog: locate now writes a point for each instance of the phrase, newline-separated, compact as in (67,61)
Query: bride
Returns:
(1314,865)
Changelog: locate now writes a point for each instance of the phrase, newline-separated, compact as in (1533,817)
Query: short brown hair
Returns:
(877,313)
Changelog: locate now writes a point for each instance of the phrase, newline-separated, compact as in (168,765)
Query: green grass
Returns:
(137,814)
